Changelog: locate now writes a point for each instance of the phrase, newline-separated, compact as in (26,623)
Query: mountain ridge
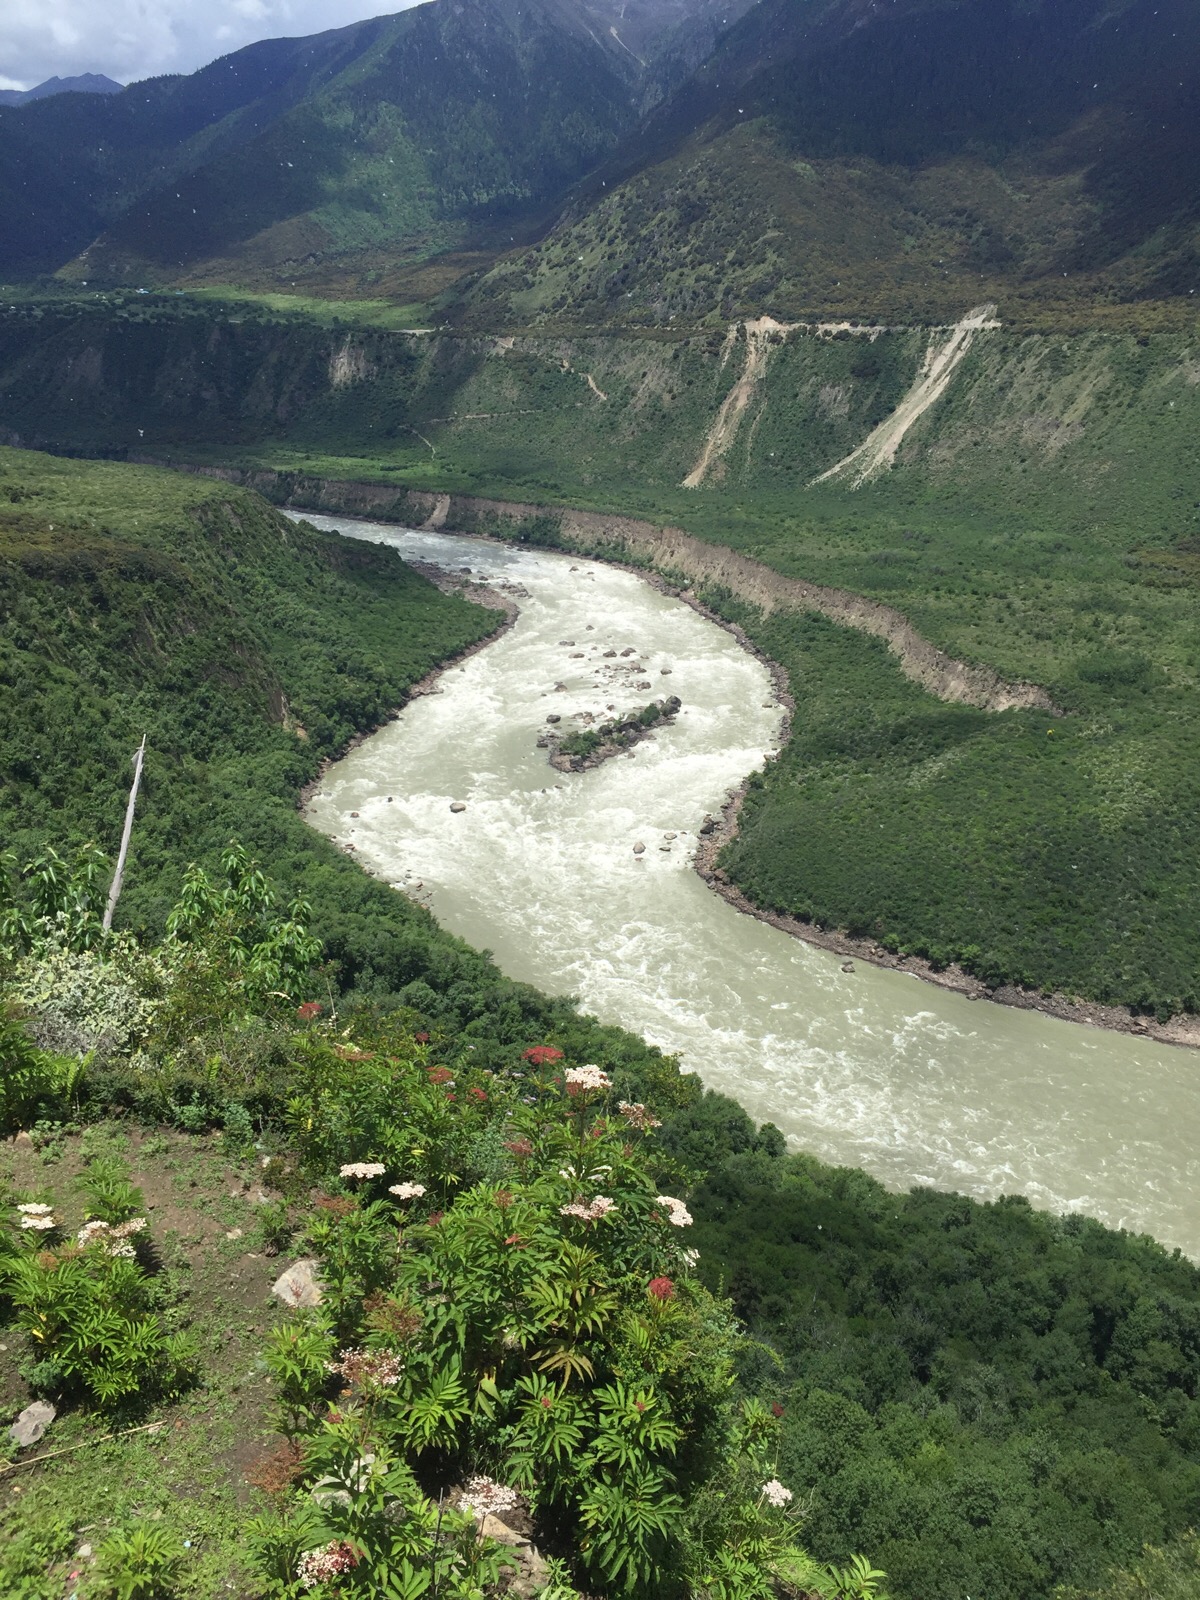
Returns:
(83,83)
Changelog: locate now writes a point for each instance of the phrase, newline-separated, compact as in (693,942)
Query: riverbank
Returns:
(446,583)
(1181,1030)
(676,555)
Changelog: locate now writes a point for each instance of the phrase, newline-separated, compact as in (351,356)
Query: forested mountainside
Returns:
(815,157)
(900,161)
(402,133)
(983,1398)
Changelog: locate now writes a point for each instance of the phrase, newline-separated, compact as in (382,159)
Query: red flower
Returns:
(421,1038)
(776,1409)
(541,1054)
(504,1198)
(438,1075)
(309,1010)
(519,1147)
(546,1402)
(450,1095)
(434,1218)
(515,1239)
(662,1289)
(477,1094)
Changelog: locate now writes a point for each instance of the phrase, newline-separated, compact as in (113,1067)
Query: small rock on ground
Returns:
(299,1285)
(32,1423)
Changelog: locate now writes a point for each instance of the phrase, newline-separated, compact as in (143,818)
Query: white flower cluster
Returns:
(37,1217)
(360,1367)
(637,1116)
(589,1077)
(599,1206)
(484,1497)
(678,1214)
(326,1565)
(774,1493)
(363,1169)
(115,1239)
(407,1191)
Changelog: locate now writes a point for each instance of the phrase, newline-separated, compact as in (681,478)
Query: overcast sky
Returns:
(129,39)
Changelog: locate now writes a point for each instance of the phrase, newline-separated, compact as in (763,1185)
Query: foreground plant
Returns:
(87,1306)
(140,1564)
(540,1332)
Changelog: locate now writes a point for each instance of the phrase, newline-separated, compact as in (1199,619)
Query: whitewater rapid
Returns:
(873,1068)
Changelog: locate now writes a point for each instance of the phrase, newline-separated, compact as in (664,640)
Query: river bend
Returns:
(873,1068)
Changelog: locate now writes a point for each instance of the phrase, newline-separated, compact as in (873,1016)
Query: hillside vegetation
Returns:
(1039,520)
(1039,1431)
(367,156)
(899,162)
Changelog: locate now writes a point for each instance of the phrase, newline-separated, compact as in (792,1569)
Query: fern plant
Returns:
(141,1564)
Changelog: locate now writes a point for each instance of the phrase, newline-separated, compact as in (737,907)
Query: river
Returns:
(873,1068)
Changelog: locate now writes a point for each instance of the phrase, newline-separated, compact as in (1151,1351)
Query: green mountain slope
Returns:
(404,132)
(901,161)
(72,165)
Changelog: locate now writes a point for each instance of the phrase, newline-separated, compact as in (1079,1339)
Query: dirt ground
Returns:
(204,1205)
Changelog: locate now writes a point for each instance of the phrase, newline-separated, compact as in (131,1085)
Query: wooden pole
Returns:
(119,874)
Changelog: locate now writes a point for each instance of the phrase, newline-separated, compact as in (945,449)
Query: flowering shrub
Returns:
(541,1055)
(361,1525)
(677,1213)
(535,1330)
(87,1308)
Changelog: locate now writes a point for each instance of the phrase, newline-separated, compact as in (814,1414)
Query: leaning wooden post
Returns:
(119,874)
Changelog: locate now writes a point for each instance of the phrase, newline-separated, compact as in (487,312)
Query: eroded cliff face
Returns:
(758,408)
(672,553)
(1025,434)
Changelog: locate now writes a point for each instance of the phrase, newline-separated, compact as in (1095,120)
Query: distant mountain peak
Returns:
(85,83)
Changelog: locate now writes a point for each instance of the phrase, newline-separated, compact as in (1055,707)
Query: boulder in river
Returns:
(554,717)
(457,805)
(639,849)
